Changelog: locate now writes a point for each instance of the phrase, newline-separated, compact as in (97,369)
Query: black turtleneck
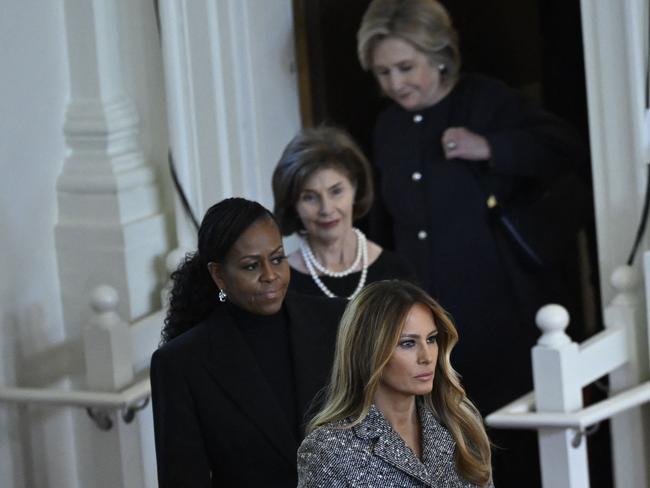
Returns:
(269,340)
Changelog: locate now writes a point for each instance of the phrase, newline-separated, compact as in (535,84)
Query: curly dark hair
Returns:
(194,294)
(312,150)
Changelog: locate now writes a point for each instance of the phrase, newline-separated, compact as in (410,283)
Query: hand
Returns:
(458,142)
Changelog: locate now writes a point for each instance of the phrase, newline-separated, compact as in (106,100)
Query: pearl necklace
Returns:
(312,263)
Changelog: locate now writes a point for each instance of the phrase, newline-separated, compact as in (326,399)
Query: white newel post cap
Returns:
(107,343)
(625,280)
(552,320)
(104,299)
(173,259)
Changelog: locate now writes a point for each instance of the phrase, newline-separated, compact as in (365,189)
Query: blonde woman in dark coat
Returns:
(395,413)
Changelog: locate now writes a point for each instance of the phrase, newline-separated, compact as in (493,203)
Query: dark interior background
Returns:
(533,45)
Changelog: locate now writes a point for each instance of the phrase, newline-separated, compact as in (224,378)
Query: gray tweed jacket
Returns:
(372,454)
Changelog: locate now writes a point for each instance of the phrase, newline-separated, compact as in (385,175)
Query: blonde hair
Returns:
(425,24)
(367,337)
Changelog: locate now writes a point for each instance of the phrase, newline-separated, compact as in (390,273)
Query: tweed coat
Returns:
(371,454)
(217,421)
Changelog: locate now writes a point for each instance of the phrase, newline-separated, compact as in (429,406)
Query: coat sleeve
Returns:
(180,451)
(319,466)
(525,140)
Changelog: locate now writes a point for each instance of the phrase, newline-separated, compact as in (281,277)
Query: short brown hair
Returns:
(312,150)
(425,24)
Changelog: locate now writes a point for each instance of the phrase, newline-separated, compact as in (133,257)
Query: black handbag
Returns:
(540,228)
(542,219)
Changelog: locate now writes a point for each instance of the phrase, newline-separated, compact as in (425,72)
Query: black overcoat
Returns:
(432,211)
(217,421)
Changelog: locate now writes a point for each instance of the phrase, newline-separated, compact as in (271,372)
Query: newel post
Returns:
(627,428)
(117,455)
(563,454)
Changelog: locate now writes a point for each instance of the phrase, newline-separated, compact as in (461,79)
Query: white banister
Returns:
(521,413)
(129,398)
(109,367)
(113,351)
(561,368)
(556,366)
(107,345)
(627,429)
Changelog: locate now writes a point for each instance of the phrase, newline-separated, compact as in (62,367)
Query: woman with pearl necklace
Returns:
(321,185)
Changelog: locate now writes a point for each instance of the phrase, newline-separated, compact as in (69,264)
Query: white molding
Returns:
(110,227)
(615,100)
(180,109)
(615,51)
(232,97)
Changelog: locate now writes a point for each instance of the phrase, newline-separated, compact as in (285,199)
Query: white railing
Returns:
(561,368)
(113,351)
(117,359)
(117,387)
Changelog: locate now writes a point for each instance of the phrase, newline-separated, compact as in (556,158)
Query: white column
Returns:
(232,97)
(556,375)
(629,429)
(615,36)
(615,41)
(110,227)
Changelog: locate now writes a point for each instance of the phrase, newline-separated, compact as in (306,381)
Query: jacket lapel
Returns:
(232,365)
(390,447)
(438,445)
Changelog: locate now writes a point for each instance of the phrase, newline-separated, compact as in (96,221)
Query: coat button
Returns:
(417,118)
(422,235)
(417,176)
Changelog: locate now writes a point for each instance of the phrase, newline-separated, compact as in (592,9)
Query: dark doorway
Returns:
(532,45)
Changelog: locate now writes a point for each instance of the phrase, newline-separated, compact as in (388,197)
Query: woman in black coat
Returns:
(241,362)
(448,144)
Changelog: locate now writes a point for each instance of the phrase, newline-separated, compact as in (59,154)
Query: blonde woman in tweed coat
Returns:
(395,413)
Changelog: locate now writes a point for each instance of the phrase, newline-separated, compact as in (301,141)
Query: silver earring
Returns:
(222,296)
(442,67)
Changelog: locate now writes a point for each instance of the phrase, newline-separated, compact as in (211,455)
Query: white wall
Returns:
(38,445)
(33,89)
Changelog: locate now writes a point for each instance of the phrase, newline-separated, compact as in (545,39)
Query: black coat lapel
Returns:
(233,366)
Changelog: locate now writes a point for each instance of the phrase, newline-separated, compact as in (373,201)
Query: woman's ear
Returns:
(216,273)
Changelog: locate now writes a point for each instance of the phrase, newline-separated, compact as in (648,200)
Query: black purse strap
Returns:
(481,171)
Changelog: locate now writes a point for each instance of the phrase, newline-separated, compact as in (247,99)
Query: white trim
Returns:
(232,94)
(521,413)
(127,398)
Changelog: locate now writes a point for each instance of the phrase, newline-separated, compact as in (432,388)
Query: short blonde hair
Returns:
(368,335)
(425,24)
